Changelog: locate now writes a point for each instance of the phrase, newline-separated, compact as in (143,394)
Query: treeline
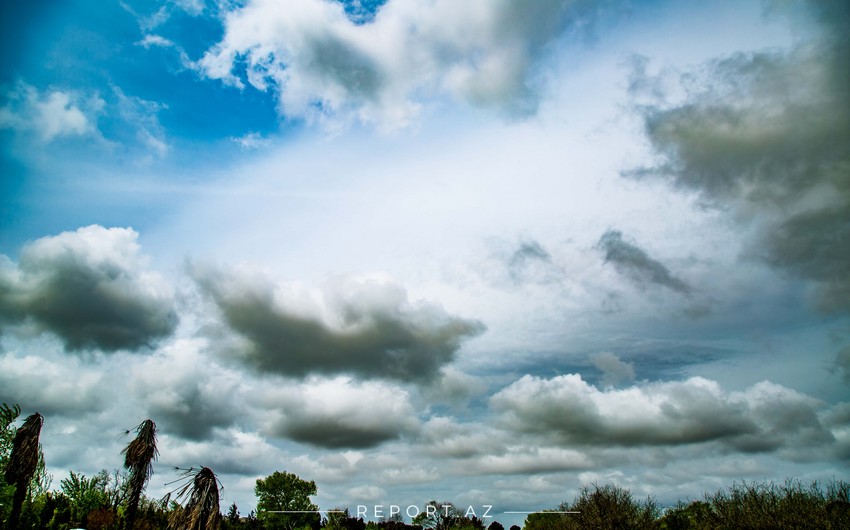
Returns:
(743,506)
(116,501)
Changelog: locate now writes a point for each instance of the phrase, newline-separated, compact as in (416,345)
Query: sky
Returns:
(484,252)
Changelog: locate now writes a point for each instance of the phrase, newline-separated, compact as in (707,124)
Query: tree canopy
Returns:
(286,492)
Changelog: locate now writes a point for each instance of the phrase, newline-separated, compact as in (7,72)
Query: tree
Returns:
(233,514)
(138,461)
(495,525)
(599,507)
(86,495)
(201,511)
(23,463)
(442,516)
(286,492)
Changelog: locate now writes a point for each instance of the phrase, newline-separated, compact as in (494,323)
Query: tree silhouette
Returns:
(138,457)
(201,511)
(23,462)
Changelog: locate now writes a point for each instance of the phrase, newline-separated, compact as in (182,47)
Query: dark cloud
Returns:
(765,136)
(89,288)
(372,330)
(634,263)
(765,417)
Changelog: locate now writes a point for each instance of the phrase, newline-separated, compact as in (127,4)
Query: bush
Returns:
(607,507)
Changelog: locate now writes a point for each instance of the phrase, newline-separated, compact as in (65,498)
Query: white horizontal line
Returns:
(544,511)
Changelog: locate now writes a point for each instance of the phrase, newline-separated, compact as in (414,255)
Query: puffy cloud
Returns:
(51,114)
(765,136)
(323,62)
(765,417)
(90,288)
(363,327)
(633,262)
(340,412)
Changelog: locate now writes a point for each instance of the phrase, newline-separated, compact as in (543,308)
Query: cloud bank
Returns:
(765,135)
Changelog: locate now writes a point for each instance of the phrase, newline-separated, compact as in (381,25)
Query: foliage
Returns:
(86,495)
(599,507)
(341,519)
(138,461)
(282,491)
(201,511)
(762,506)
(23,463)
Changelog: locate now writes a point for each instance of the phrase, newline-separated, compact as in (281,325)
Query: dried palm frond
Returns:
(23,462)
(138,460)
(201,511)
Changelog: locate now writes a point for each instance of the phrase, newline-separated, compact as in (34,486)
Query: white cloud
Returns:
(322,64)
(340,412)
(50,114)
(763,418)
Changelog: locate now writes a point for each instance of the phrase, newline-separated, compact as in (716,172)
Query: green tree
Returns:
(86,495)
(286,492)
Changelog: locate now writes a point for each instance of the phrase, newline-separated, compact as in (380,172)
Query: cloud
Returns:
(90,288)
(49,387)
(185,393)
(634,263)
(613,369)
(51,114)
(764,417)
(323,63)
(340,413)
(141,116)
(364,327)
(764,135)
(842,363)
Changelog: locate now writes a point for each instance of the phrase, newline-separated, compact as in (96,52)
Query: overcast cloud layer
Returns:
(482,251)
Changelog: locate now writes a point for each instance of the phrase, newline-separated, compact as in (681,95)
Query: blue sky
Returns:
(485,252)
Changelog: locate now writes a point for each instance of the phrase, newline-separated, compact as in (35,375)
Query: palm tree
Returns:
(201,511)
(23,462)
(138,457)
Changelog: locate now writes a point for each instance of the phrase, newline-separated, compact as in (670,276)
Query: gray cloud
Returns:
(369,328)
(634,263)
(186,394)
(89,288)
(766,137)
(340,413)
(765,417)
(613,369)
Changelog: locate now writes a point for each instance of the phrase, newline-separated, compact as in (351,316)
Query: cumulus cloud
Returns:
(340,413)
(363,327)
(324,61)
(90,288)
(50,114)
(765,136)
(634,263)
(764,417)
